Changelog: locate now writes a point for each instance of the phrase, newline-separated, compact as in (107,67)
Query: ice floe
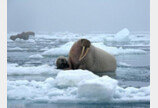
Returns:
(83,87)
(64,50)
(72,77)
(14,69)
(15,49)
(36,56)
(122,36)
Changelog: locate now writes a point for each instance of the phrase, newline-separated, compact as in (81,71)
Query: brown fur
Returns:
(62,63)
(96,59)
(23,35)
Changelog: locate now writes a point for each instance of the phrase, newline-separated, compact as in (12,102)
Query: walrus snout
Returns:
(85,44)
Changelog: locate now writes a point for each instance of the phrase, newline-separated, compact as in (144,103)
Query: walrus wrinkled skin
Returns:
(83,55)
(23,35)
(62,62)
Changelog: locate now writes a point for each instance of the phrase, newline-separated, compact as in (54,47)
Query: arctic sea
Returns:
(34,82)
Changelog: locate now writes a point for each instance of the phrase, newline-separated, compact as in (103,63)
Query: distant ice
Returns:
(15,49)
(83,86)
(36,56)
(122,36)
(117,51)
(44,49)
(29,40)
(123,64)
(62,50)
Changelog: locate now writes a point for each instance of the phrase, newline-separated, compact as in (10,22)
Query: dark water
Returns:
(17,104)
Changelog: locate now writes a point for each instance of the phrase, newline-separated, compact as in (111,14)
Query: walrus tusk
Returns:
(84,54)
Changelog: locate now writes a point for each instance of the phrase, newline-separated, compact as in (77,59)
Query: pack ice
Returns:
(75,86)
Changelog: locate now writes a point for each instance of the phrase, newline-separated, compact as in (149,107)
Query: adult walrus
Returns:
(83,55)
(23,35)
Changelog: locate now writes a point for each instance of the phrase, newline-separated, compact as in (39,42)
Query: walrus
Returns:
(23,35)
(83,55)
(62,62)
(13,37)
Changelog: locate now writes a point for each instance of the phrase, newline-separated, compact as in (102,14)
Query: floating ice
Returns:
(14,69)
(117,51)
(44,49)
(101,88)
(15,49)
(72,77)
(122,36)
(123,64)
(21,40)
(36,56)
(83,87)
(62,50)
(131,94)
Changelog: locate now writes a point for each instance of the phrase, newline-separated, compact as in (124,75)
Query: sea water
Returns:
(34,82)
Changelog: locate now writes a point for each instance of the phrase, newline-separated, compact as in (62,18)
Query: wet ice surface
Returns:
(31,68)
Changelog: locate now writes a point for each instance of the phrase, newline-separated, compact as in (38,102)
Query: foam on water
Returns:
(69,88)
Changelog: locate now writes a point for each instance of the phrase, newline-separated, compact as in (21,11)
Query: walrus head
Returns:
(62,62)
(85,45)
(13,37)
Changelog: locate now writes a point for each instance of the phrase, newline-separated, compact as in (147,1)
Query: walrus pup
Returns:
(62,63)
(83,55)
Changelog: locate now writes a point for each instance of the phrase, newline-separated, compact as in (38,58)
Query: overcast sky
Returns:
(78,15)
